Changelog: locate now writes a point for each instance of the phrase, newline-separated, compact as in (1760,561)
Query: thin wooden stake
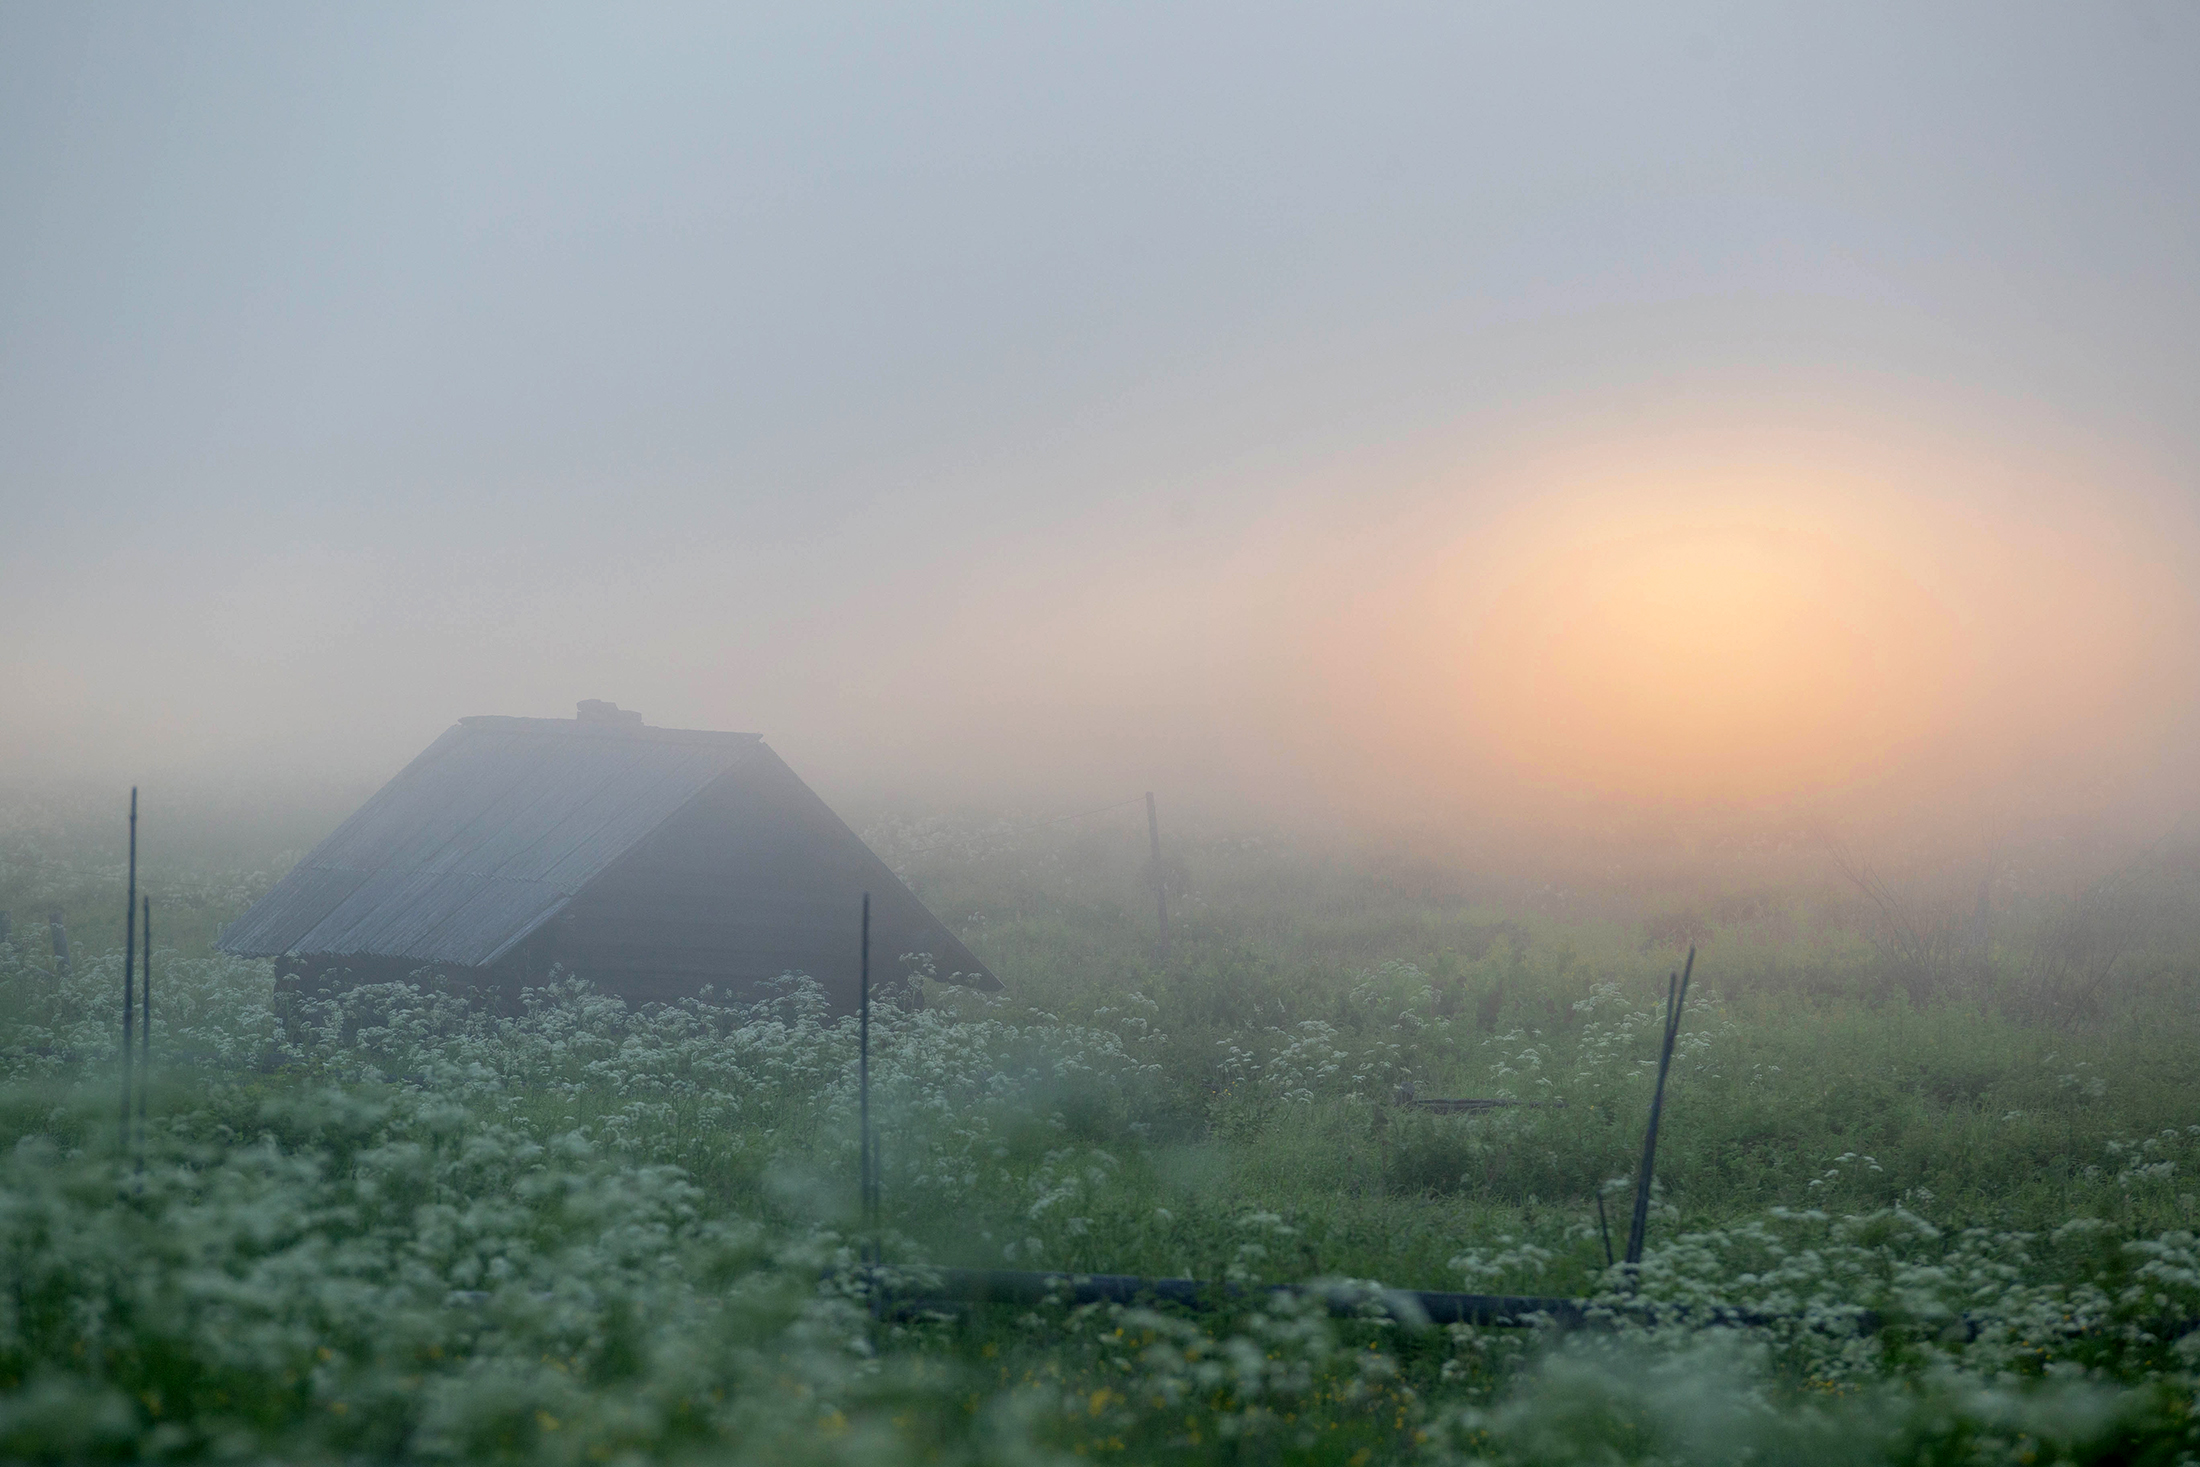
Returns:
(1676,994)
(145,1018)
(1604,1228)
(1160,885)
(129,972)
(869,1179)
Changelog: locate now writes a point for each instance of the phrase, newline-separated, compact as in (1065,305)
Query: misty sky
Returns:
(1054,401)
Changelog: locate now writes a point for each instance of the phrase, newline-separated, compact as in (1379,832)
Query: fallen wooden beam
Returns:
(922,1286)
(1468,1106)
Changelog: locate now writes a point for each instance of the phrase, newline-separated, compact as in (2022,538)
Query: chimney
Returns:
(596,710)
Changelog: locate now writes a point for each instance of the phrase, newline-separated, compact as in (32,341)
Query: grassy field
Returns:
(392,1226)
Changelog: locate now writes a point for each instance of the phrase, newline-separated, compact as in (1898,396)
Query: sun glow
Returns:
(1777,630)
(1707,662)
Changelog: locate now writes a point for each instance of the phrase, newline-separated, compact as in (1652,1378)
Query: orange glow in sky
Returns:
(1711,662)
(1759,633)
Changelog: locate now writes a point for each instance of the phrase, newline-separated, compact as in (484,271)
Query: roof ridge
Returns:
(574,728)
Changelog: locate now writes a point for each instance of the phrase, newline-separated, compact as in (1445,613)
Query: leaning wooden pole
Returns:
(1676,994)
(129,973)
(1160,884)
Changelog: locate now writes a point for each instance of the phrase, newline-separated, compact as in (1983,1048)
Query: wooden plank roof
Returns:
(484,838)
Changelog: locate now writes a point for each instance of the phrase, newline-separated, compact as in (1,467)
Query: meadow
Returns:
(1926,1188)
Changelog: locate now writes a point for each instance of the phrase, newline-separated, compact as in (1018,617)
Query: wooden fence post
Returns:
(1160,882)
(129,973)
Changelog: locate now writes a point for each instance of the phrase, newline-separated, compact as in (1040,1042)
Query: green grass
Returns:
(394,1228)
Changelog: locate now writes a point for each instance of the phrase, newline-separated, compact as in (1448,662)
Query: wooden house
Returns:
(652,861)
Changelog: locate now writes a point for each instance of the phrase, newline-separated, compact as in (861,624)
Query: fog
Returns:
(1565,419)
